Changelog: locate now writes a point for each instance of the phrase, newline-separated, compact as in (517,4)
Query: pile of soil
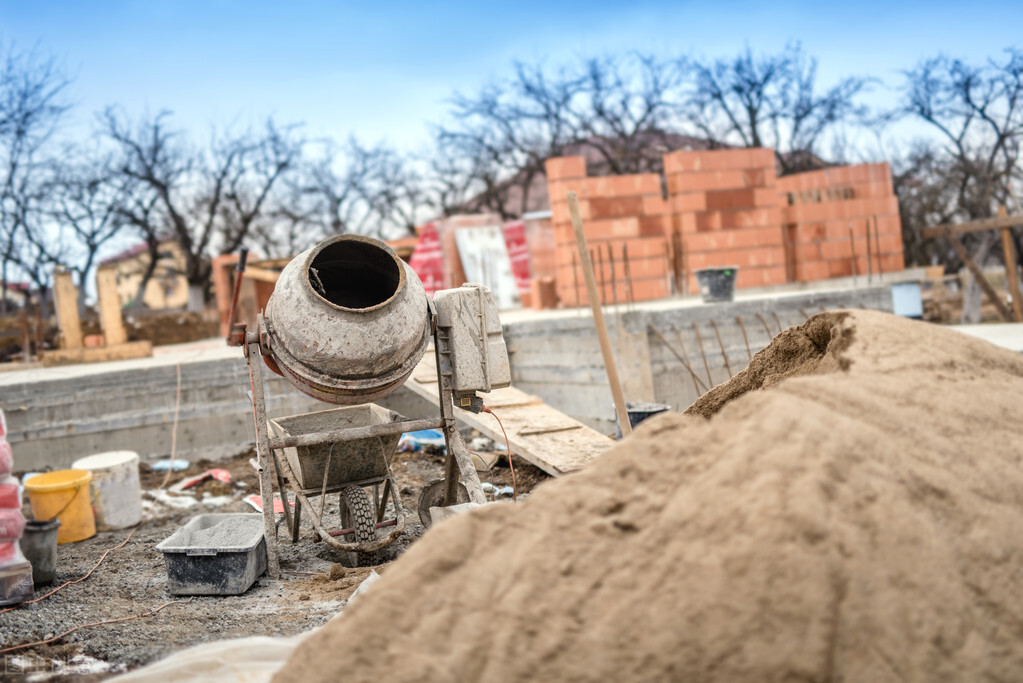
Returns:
(851,509)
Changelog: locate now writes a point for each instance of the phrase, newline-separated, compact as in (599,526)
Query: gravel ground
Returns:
(132,580)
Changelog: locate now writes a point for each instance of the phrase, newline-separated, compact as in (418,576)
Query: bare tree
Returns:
(772,101)
(86,199)
(510,129)
(363,190)
(976,113)
(627,109)
(204,199)
(32,103)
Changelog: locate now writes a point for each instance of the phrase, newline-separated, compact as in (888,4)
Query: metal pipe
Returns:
(353,433)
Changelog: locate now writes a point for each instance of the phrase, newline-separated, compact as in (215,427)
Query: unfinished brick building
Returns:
(722,208)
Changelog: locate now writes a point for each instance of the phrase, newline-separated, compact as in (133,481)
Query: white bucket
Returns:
(116,492)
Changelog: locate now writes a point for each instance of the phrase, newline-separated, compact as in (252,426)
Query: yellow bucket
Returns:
(64,494)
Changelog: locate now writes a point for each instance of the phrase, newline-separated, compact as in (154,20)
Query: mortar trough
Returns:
(359,462)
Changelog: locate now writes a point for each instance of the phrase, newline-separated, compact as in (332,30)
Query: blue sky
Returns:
(384,70)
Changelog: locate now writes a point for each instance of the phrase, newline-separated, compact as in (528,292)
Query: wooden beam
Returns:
(1009,252)
(110,307)
(981,280)
(66,295)
(262,274)
(973,226)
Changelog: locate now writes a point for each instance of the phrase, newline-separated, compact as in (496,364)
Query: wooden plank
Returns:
(981,280)
(972,226)
(110,307)
(66,295)
(1009,252)
(97,354)
(538,433)
(262,274)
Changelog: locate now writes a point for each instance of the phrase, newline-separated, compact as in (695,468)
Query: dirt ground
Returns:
(132,580)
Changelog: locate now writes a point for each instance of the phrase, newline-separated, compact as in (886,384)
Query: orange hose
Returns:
(507,443)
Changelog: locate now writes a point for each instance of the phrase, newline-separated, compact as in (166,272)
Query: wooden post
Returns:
(110,307)
(1009,251)
(66,295)
(978,274)
(598,316)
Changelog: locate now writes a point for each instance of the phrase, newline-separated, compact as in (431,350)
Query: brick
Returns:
(840,267)
(565,167)
(654,226)
(807,252)
(647,290)
(646,267)
(558,189)
(709,180)
(688,161)
(611,228)
(741,198)
(615,207)
(814,270)
(688,201)
(835,249)
(560,214)
(749,277)
(810,231)
(648,184)
(641,247)
(656,206)
(684,223)
(772,236)
(737,218)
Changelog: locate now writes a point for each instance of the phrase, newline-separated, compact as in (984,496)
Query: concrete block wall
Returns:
(840,222)
(721,208)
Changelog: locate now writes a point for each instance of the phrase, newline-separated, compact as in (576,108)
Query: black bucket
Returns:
(39,546)
(638,412)
(717,284)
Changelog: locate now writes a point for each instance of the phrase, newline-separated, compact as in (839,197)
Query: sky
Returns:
(385,71)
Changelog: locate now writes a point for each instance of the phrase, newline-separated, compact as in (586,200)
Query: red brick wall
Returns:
(727,210)
(827,216)
(627,226)
(723,208)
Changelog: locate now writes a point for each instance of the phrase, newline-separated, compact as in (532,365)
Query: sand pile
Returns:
(860,519)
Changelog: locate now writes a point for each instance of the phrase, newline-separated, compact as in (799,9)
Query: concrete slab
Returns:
(1007,335)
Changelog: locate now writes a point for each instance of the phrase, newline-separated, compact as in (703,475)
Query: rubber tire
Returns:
(357,513)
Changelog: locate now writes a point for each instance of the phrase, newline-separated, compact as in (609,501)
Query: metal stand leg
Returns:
(252,355)
(458,459)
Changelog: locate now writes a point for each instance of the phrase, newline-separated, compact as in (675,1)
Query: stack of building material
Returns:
(15,571)
(726,208)
(627,225)
(841,221)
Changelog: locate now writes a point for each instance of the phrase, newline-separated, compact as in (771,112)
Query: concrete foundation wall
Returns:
(57,415)
(560,359)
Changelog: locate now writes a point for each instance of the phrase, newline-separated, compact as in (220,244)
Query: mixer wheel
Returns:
(357,513)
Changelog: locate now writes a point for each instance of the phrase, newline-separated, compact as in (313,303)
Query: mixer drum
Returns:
(348,321)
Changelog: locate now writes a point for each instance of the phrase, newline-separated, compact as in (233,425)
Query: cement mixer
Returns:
(347,323)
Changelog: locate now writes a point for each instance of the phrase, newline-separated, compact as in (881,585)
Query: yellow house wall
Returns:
(168,288)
